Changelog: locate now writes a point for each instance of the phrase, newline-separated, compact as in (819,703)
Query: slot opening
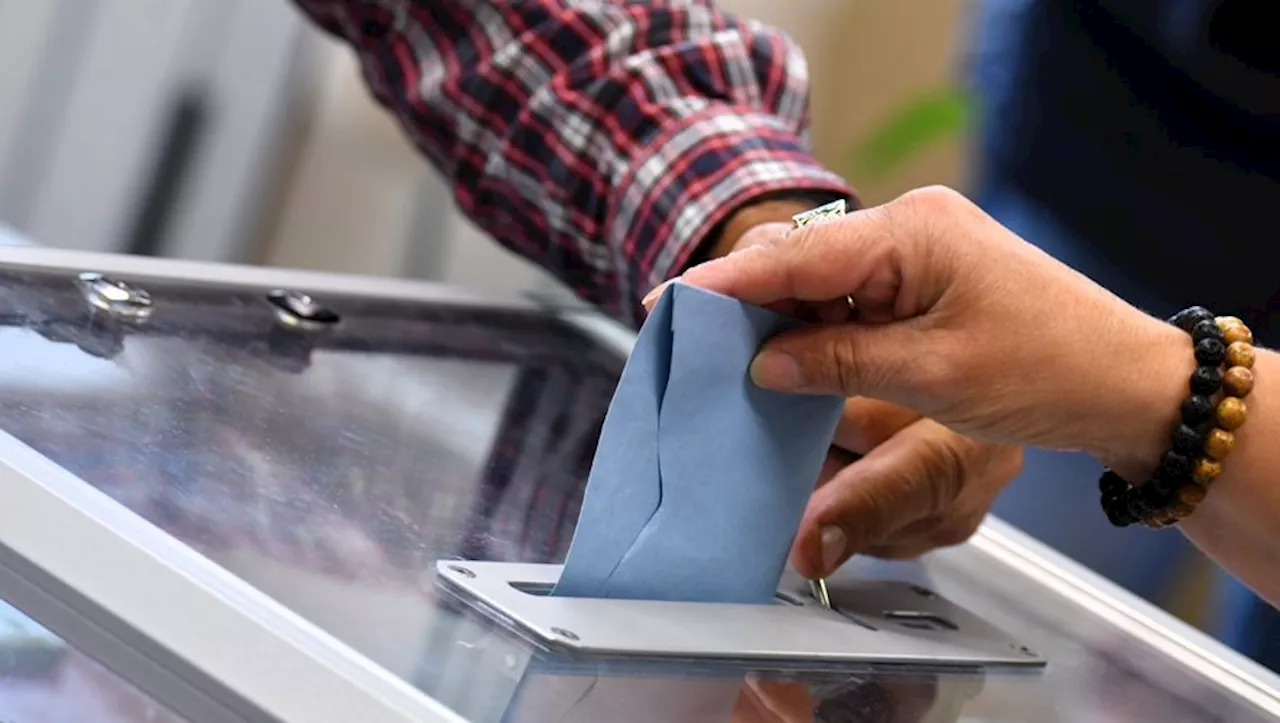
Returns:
(543,589)
(920,620)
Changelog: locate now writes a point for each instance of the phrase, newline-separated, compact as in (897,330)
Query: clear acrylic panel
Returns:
(331,467)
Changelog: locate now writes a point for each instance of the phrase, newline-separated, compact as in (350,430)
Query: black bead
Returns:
(1186,440)
(1174,467)
(1210,352)
(1133,507)
(1154,498)
(1167,486)
(1205,330)
(1119,516)
(1187,319)
(1206,380)
(1198,408)
(1111,484)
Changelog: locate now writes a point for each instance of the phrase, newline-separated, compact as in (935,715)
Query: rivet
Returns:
(117,298)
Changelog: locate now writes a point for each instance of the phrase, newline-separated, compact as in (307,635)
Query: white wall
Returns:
(363,200)
(88,92)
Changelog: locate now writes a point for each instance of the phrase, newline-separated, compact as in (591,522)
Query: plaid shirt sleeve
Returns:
(604,140)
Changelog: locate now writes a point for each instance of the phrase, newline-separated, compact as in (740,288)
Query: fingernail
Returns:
(652,297)
(834,546)
(776,370)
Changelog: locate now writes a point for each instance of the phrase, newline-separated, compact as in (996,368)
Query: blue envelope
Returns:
(700,478)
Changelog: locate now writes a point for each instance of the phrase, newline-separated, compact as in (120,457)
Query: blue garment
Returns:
(1139,142)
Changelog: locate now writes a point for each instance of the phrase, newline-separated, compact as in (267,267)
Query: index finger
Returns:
(818,262)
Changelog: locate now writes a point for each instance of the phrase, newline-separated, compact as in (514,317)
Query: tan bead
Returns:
(1205,470)
(1219,443)
(1231,413)
(1240,332)
(1181,510)
(1191,494)
(1241,354)
(1226,322)
(1237,381)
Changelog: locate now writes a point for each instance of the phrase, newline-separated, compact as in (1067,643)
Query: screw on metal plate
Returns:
(566,634)
(462,571)
(117,298)
(297,310)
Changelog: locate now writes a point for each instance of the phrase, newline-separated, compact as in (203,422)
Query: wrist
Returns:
(1149,393)
(776,208)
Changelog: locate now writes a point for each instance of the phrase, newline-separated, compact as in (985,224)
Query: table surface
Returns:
(332,475)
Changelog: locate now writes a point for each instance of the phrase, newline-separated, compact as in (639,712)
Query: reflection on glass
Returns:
(755,698)
(43,680)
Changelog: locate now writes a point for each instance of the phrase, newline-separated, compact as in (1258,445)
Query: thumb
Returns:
(883,361)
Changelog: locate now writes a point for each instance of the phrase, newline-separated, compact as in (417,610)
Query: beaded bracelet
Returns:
(1205,435)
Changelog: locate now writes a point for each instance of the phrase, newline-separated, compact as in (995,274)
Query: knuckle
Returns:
(933,213)
(858,370)
(933,199)
(838,367)
(877,509)
(847,371)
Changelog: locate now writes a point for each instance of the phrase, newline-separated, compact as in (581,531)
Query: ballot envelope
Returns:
(247,494)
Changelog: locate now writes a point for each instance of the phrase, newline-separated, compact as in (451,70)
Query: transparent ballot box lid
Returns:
(242,494)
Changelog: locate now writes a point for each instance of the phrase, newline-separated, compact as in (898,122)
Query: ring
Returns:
(825,212)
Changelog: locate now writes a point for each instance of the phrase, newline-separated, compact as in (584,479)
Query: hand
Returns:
(961,321)
(917,486)
(894,485)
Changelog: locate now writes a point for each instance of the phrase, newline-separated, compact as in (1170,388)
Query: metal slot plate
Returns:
(874,622)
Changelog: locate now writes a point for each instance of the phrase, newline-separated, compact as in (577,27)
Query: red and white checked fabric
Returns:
(604,140)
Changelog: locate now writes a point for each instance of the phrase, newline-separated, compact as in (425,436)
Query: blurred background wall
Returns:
(150,126)
(232,130)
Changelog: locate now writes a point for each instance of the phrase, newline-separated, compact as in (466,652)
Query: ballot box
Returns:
(242,494)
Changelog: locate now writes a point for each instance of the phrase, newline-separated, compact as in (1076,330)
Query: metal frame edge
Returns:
(190,634)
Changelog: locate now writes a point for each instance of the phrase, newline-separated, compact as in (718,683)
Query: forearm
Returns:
(608,142)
